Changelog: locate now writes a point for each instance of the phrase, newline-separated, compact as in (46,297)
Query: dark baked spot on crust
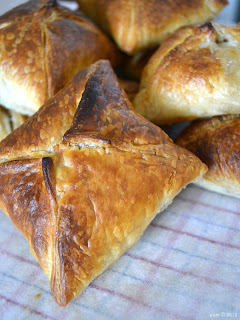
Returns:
(206,27)
(204,151)
(224,40)
(93,101)
(105,113)
(47,168)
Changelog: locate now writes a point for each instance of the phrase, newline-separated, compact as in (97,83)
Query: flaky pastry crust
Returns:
(42,45)
(87,178)
(216,142)
(142,24)
(9,121)
(194,74)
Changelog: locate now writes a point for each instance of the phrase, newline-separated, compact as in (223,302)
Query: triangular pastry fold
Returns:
(42,46)
(216,142)
(194,74)
(139,25)
(87,178)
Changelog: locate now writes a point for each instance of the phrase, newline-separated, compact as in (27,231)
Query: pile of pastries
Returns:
(84,171)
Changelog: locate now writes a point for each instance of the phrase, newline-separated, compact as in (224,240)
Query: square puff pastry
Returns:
(137,25)
(194,74)
(216,142)
(42,45)
(87,178)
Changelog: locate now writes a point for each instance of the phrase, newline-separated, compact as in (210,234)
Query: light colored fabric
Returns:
(186,266)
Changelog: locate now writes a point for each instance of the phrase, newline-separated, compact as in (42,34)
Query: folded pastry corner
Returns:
(87,178)
(216,142)
(192,75)
(43,45)
(140,25)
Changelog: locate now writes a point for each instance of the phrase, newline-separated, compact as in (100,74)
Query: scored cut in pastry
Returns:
(9,121)
(216,142)
(87,178)
(194,74)
(42,45)
(139,25)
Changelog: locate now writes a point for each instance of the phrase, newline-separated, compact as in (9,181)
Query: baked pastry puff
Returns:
(137,25)
(9,121)
(216,142)
(87,178)
(194,74)
(42,45)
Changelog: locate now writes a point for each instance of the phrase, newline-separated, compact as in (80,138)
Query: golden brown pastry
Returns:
(42,45)
(87,178)
(142,24)
(216,142)
(194,74)
(9,121)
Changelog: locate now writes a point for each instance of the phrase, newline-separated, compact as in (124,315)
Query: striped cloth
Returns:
(186,266)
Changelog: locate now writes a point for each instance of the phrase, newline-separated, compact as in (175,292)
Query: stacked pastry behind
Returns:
(74,174)
(72,168)
(9,121)
(194,75)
